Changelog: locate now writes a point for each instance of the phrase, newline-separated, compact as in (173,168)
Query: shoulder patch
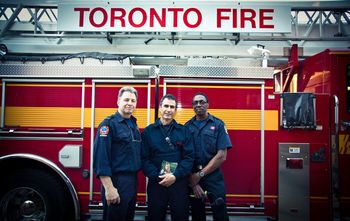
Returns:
(104,130)
(225,129)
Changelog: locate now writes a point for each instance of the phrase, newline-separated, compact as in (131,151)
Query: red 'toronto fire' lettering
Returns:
(175,17)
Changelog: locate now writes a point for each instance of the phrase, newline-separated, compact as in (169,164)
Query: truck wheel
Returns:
(32,194)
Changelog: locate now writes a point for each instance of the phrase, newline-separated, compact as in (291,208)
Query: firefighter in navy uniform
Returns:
(166,145)
(117,158)
(211,142)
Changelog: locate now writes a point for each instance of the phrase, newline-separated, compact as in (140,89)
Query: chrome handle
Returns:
(336,113)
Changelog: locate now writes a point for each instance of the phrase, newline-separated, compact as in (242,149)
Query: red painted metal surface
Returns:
(323,74)
(326,73)
(35,95)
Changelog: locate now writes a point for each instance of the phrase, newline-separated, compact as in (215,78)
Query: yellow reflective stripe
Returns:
(344,144)
(42,117)
(87,193)
(102,113)
(271,120)
(235,119)
(63,116)
(339,52)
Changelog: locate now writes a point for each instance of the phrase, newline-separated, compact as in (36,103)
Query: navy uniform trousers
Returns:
(125,210)
(175,195)
(214,185)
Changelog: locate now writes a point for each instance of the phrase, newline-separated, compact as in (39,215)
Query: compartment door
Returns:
(241,105)
(104,103)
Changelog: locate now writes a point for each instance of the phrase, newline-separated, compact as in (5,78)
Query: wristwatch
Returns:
(201,174)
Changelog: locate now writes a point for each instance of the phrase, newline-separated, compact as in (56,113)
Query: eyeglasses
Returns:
(137,138)
(200,102)
(134,138)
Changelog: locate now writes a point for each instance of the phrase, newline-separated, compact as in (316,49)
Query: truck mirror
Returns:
(298,111)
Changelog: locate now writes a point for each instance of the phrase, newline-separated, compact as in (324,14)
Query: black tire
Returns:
(33,194)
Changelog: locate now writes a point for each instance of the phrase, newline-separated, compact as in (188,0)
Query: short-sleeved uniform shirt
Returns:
(209,136)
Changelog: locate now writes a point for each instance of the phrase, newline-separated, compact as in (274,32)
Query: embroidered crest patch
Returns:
(212,128)
(104,130)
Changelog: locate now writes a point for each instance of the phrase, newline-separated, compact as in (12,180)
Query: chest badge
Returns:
(212,128)
(104,130)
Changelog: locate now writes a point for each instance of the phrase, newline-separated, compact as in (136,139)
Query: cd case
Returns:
(167,167)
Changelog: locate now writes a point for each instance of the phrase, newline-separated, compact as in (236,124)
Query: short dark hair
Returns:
(127,89)
(204,95)
(169,97)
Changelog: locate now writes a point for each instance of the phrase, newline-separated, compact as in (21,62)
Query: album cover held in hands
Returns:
(167,167)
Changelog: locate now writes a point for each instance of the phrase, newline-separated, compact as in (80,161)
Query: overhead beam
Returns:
(234,51)
(316,25)
(11,20)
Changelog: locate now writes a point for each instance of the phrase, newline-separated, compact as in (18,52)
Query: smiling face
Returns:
(127,104)
(167,110)
(200,105)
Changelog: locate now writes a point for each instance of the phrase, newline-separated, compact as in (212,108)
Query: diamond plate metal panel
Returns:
(62,70)
(228,62)
(217,72)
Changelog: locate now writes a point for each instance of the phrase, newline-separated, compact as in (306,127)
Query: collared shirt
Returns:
(209,137)
(117,147)
(172,144)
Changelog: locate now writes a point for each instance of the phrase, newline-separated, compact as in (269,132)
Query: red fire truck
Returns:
(289,129)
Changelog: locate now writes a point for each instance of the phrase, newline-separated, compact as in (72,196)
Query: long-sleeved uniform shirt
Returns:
(117,146)
(172,144)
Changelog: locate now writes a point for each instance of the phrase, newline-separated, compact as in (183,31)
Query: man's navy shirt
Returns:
(117,146)
(157,148)
(209,137)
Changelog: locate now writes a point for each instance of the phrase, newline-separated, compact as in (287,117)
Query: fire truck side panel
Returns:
(36,105)
(105,104)
(328,72)
(319,170)
(340,66)
(319,156)
(239,106)
(42,116)
(242,167)
(38,120)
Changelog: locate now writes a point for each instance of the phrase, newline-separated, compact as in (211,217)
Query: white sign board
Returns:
(172,16)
